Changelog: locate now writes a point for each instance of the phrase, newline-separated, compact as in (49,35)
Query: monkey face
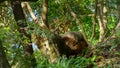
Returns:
(74,43)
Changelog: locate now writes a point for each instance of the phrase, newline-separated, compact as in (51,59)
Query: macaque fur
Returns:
(71,43)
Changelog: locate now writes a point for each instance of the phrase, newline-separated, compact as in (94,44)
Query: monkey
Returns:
(71,43)
(75,41)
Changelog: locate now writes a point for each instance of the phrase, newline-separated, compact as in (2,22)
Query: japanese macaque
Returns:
(71,44)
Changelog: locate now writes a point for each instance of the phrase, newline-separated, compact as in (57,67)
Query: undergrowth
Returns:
(63,62)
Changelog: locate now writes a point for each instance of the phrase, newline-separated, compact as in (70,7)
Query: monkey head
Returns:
(75,41)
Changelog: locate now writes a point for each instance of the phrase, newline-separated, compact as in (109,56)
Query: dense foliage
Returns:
(98,20)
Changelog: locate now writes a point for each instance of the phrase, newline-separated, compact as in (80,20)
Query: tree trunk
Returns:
(102,19)
(45,12)
(3,59)
(21,23)
(118,25)
(44,42)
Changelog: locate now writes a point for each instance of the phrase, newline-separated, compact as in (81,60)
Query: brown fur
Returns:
(71,43)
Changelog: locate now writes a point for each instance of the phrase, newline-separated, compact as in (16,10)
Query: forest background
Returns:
(27,23)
